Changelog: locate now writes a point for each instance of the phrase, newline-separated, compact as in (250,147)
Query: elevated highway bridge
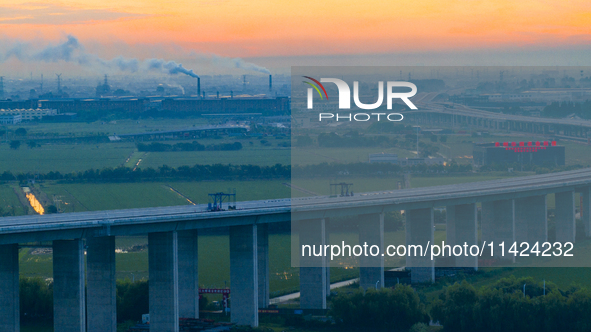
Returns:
(512,209)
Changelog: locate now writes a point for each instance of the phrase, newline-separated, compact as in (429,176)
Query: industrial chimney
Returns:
(231,94)
(198,86)
(218,95)
(1,87)
(270,83)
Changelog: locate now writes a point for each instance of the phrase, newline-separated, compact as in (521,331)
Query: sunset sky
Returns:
(271,30)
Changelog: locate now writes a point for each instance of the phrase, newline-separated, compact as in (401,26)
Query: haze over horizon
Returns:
(228,36)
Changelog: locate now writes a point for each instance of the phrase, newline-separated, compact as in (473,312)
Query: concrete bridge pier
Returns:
(371,268)
(564,216)
(244,275)
(312,269)
(69,311)
(9,288)
(188,273)
(263,264)
(419,231)
(164,281)
(531,220)
(327,241)
(586,210)
(498,224)
(462,227)
(101,290)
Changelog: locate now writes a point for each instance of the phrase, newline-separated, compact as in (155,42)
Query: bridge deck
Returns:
(279,210)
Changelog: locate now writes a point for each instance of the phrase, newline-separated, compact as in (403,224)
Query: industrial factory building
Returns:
(196,106)
(19,104)
(546,153)
(393,159)
(82,105)
(200,106)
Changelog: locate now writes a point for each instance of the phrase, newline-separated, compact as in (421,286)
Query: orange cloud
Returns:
(262,27)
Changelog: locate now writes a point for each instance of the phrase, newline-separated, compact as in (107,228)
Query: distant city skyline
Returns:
(208,36)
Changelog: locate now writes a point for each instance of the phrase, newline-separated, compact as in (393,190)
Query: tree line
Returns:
(193,146)
(562,109)
(36,300)
(355,139)
(233,172)
(506,307)
(501,307)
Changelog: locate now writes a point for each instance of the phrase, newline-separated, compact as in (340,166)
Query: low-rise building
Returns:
(29,114)
(383,158)
(546,153)
(9,119)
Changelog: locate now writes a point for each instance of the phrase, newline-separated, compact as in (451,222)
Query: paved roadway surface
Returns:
(399,199)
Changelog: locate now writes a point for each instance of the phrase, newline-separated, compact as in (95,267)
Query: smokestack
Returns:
(198,86)
(59,83)
(270,82)
(231,94)
(218,95)
(1,87)
(243,81)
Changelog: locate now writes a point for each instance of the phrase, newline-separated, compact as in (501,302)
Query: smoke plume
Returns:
(71,50)
(171,67)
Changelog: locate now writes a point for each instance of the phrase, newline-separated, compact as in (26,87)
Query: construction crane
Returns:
(344,189)
(216,201)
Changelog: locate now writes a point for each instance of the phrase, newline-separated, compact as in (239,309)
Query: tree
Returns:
(31,144)
(443,139)
(20,132)
(304,141)
(51,209)
(433,138)
(383,310)
(15,145)
(132,299)
(36,299)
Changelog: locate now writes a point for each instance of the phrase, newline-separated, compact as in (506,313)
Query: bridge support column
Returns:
(312,269)
(244,275)
(9,288)
(498,223)
(371,268)
(263,264)
(164,281)
(69,311)
(327,241)
(462,227)
(531,220)
(564,215)
(188,274)
(101,289)
(586,210)
(419,231)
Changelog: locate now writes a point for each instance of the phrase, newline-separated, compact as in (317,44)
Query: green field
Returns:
(63,158)
(9,202)
(70,157)
(248,155)
(76,197)
(112,196)
(123,126)
(245,190)
(317,155)
(389,182)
